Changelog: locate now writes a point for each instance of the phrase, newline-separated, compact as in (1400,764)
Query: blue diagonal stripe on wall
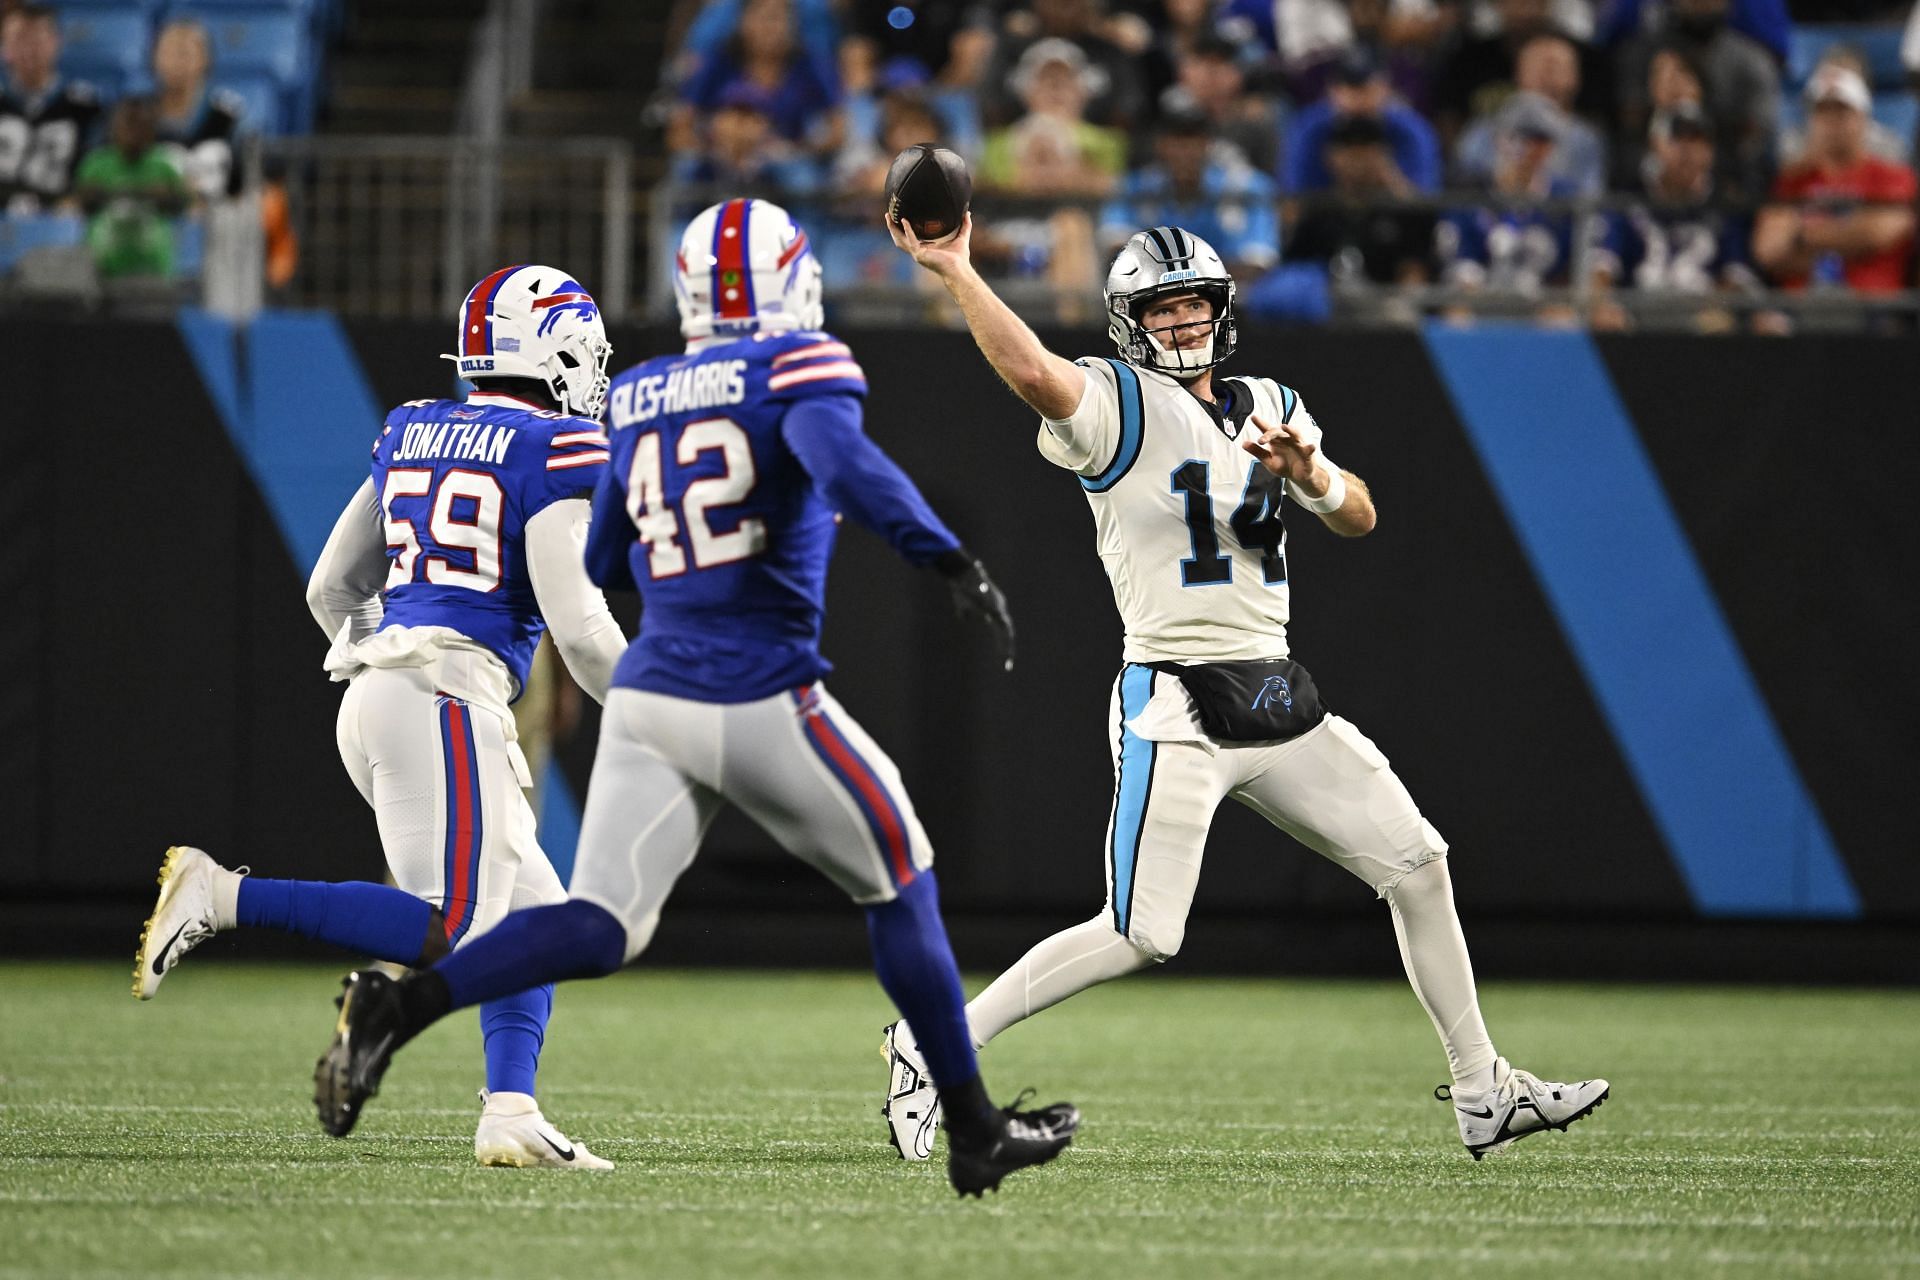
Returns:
(1642,621)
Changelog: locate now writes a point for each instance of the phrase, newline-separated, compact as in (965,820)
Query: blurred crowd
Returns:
(1552,153)
(136,170)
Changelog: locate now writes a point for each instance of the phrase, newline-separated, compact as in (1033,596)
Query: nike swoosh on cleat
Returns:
(160,957)
(1478,1115)
(567,1154)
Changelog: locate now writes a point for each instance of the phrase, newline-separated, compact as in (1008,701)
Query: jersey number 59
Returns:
(472,528)
(658,523)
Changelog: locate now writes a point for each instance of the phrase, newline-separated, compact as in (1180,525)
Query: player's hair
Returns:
(36,13)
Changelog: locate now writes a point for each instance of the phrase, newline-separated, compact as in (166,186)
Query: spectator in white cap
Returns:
(1053,149)
(1845,216)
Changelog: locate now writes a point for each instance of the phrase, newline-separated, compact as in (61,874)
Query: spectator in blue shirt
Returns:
(1203,188)
(742,154)
(1360,88)
(803,92)
(1509,247)
(1546,77)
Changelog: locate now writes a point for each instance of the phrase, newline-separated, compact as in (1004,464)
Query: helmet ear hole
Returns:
(567,358)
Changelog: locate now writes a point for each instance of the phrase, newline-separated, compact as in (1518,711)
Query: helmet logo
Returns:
(1168,277)
(559,304)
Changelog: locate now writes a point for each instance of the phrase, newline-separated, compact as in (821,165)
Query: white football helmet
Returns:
(744,267)
(539,323)
(1158,263)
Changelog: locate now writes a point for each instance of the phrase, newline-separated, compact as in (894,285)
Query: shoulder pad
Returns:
(813,363)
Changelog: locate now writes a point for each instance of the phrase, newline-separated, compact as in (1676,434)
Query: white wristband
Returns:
(1330,500)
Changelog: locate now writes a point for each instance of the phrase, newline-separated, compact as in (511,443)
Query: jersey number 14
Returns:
(1257,524)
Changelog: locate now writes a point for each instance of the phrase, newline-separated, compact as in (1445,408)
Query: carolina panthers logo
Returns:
(579,304)
(1274,690)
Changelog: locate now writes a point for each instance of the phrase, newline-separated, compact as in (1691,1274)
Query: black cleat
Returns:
(364,1038)
(1024,1138)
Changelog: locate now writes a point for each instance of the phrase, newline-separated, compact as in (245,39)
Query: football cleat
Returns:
(912,1107)
(365,1035)
(514,1135)
(1022,1138)
(1520,1103)
(182,918)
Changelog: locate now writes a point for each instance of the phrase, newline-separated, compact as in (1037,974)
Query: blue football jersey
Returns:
(729,467)
(1683,249)
(457,483)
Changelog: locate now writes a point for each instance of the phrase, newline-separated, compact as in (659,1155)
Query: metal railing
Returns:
(870,288)
(388,226)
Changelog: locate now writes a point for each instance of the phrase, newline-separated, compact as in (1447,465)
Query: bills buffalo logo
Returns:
(581,305)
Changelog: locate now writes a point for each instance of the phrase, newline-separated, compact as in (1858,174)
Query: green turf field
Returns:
(1232,1129)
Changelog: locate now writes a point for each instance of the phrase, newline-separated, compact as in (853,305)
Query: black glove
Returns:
(975,594)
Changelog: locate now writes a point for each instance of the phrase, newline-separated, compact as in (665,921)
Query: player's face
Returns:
(1179,323)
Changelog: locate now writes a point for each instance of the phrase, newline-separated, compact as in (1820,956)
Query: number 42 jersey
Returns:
(731,464)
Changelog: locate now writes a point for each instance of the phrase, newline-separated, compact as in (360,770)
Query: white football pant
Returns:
(447,785)
(796,763)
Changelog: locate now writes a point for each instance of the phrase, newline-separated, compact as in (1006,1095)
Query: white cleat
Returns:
(182,919)
(1520,1103)
(514,1135)
(912,1108)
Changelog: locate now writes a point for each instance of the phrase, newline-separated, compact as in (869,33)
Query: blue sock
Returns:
(915,964)
(373,919)
(513,1028)
(532,948)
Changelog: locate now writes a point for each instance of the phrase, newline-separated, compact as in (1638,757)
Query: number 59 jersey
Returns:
(1190,527)
(457,483)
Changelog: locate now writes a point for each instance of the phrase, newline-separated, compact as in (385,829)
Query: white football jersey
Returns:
(1189,524)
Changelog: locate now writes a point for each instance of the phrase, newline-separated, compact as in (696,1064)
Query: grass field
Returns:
(1232,1129)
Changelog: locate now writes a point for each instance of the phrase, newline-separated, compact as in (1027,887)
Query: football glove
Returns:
(975,595)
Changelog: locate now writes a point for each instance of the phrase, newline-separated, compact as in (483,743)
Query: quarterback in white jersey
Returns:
(1189,476)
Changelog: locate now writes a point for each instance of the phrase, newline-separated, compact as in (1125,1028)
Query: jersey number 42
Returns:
(660,525)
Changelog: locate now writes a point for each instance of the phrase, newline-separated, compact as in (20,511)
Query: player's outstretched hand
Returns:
(938,256)
(976,595)
(1287,453)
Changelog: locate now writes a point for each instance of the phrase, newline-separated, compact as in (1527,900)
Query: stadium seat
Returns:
(95,41)
(265,114)
(1880,46)
(1899,112)
(21,234)
(252,40)
(110,82)
(258,6)
(189,248)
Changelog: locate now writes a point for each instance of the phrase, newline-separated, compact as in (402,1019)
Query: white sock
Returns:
(1435,955)
(226,898)
(1070,961)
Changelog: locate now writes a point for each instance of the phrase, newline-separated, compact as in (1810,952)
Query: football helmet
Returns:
(1159,263)
(744,267)
(540,323)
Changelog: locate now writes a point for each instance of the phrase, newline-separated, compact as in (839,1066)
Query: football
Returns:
(929,187)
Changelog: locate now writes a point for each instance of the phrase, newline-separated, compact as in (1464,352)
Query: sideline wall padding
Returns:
(177,692)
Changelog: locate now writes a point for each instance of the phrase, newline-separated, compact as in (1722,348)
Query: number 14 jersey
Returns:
(1190,526)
